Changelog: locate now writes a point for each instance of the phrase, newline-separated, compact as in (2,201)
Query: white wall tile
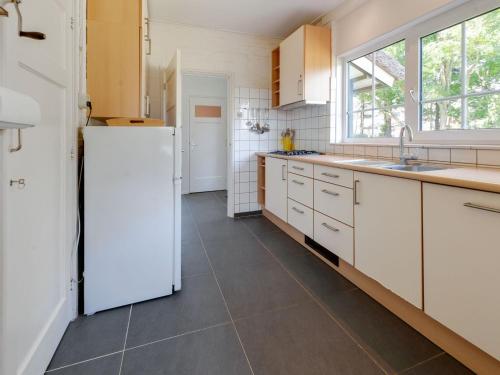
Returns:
(488,157)
(359,150)
(371,151)
(463,156)
(384,152)
(440,154)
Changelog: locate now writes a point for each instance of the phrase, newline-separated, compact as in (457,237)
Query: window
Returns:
(440,76)
(376,93)
(460,75)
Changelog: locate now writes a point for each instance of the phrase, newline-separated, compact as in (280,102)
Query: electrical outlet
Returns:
(82,100)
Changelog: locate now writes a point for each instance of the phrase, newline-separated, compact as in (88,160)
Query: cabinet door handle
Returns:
(297,210)
(297,182)
(283,170)
(483,208)
(333,229)
(148,52)
(299,86)
(148,106)
(330,175)
(356,182)
(147,24)
(298,168)
(330,192)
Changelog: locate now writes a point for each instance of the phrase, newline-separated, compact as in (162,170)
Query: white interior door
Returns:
(35,229)
(207,142)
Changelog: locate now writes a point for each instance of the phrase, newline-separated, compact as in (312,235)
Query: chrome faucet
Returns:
(403,158)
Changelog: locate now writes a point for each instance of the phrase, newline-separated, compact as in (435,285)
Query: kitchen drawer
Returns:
(334,201)
(300,189)
(301,217)
(337,176)
(335,236)
(304,169)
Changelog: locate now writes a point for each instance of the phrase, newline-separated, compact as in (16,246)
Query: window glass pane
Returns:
(361,124)
(360,83)
(387,121)
(483,52)
(441,63)
(390,75)
(441,115)
(483,112)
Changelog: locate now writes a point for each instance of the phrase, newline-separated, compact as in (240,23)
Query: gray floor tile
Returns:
(301,340)
(218,229)
(317,276)
(442,365)
(258,288)
(194,260)
(282,245)
(399,345)
(198,305)
(92,336)
(215,351)
(234,252)
(221,196)
(109,365)
(259,224)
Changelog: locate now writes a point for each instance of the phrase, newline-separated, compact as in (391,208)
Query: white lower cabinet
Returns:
(461,262)
(334,236)
(276,187)
(300,217)
(388,234)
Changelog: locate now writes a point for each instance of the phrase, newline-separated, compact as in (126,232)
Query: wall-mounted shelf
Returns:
(275,78)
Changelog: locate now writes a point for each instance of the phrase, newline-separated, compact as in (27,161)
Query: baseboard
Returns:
(45,345)
(455,345)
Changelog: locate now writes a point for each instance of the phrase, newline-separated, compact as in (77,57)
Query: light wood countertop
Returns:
(479,178)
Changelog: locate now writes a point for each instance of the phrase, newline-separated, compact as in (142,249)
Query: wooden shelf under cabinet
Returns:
(275,77)
(261,180)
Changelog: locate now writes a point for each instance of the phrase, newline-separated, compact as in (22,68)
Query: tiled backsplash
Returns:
(312,127)
(247,143)
(473,155)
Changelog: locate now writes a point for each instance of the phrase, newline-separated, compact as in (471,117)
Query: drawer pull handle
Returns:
(297,182)
(333,229)
(330,192)
(330,175)
(298,168)
(297,210)
(484,208)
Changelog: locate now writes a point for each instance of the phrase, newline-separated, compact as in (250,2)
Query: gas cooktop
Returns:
(294,153)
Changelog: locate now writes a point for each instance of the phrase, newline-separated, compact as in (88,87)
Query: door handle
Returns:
(330,192)
(299,86)
(283,176)
(297,210)
(298,168)
(333,229)
(356,182)
(330,175)
(297,182)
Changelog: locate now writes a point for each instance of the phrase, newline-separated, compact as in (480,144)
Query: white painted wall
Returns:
(197,85)
(245,57)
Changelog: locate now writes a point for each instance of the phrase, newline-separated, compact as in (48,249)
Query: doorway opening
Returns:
(204,133)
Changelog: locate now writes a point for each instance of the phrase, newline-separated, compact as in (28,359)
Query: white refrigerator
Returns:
(132,215)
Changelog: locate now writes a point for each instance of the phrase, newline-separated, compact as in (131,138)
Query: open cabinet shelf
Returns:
(275,78)
(261,180)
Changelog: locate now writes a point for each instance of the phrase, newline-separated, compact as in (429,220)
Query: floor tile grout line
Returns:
(422,362)
(220,291)
(315,299)
(177,336)
(125,341)
(84,361)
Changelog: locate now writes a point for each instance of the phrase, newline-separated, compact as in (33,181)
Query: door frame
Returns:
(190,99)
(230,79)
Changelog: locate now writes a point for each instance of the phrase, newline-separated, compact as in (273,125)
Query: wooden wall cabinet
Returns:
(115,58)
(305,66)
(388,233)
(461,262)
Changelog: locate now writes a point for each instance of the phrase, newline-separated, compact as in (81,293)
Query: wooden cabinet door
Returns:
(292,68)
(114,57)
(387,227)
(462,263)
(276,187)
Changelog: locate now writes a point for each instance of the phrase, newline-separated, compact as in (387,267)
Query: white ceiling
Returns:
(271,18)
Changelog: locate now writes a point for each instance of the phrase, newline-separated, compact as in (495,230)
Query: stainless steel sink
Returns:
(414,167)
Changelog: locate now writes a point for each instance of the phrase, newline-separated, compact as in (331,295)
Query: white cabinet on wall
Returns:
(461,262)
(276,187)
(388,242)
(305,66)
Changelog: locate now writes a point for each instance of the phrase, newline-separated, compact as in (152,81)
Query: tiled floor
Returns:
(253,302)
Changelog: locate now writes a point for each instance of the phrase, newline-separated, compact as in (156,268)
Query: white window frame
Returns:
(412,34)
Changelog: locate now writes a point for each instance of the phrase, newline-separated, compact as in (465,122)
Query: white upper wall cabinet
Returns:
(305,66)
